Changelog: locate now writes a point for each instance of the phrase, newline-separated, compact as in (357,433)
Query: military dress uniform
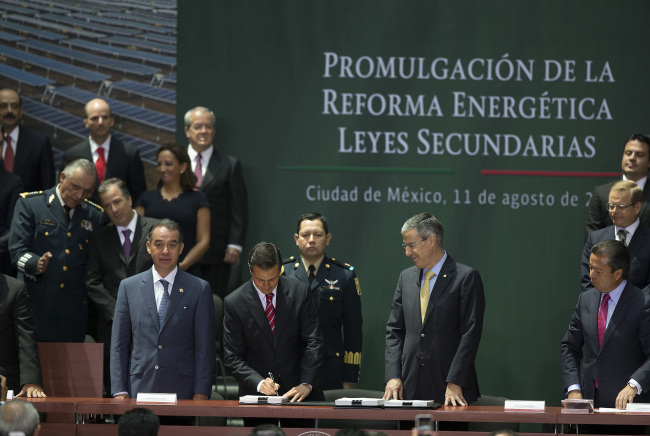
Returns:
(58,297)
(337,296)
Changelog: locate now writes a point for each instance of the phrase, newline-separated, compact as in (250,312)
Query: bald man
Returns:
(112,157)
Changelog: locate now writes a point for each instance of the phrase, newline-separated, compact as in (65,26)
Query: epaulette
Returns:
(342,264)
(95,205)
(31,194)
(288,259)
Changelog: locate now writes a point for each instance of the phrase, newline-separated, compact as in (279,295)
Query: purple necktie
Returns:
(127,244)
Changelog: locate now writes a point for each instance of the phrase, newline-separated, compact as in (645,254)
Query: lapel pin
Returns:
(180,290)
(445,275)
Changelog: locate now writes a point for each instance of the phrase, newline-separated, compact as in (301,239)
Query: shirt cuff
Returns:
(120,393)
(236,247)
(636,385)
(575,387)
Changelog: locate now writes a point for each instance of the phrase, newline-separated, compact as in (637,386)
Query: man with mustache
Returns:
(25,153)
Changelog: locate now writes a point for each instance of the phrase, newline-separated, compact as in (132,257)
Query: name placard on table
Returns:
(153,398)
(525,406)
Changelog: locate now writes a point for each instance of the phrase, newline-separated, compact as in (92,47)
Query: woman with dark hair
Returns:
(176,199)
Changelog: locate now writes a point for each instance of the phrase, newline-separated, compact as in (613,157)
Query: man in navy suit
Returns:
(162,337)
(271,339)
(624,205)
(606,349)
(25,153)
(435,325)
(112,157)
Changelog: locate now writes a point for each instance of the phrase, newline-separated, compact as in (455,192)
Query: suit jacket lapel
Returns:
(621,309)
(258,314)
(322,274)
(115,158)
(149,298)
(282,304)
(176,295)
(55,206)
(637,238)
(444,279)
(301,274)
(114,243)
(212,170)
(138,238)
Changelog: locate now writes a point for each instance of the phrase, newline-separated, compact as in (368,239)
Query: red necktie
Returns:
(270,312)
(602,319)
(9,155)
(100,165)
(198,171)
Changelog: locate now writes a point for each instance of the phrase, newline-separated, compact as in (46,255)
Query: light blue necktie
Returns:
(163,303)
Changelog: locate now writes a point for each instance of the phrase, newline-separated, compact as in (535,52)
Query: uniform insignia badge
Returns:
(331,284)
(87,225)
(48,222)
(49,200)
(356,283)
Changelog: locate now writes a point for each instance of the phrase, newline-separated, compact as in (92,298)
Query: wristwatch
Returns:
(633,387)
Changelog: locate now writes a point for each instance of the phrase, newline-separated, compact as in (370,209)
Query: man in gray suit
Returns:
(163,340)
(435,325)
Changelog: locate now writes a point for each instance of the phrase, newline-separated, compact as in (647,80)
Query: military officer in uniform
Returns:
(48,244)
(337,296)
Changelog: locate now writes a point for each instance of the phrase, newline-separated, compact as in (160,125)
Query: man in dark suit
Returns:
(163,340)
(107,263)
(25,153)
(219,176)
(606,349)
(48,244)
(337,297)
(112,157)
(435,324)
(624,205)
(10,188)
(635,165)
(19,353)
(271,327)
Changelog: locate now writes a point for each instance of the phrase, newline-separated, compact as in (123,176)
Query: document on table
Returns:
(263,399)
(359,402)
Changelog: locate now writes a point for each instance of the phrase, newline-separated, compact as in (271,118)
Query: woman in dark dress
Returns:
(176,199)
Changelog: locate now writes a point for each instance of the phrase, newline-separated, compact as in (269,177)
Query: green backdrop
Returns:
(413,106)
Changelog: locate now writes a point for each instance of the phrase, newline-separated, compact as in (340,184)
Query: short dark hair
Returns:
(106,185)
(312,216)
(616,254)
(426,225)
(138,422)
(18,415)
(188,178)
(638,137)
(264,255)
(169,224)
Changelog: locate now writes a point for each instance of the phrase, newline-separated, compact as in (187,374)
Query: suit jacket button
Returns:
(67,251)
(331,298)
(65,268)
(338,354)
(62,285)
(47,233)
(69,234)
(422,335)
(156,366)
(160,347)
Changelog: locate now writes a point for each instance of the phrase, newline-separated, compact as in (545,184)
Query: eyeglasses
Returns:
(412,244)
(620,207)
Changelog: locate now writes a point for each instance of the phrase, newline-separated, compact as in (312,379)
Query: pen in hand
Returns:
(273,380)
